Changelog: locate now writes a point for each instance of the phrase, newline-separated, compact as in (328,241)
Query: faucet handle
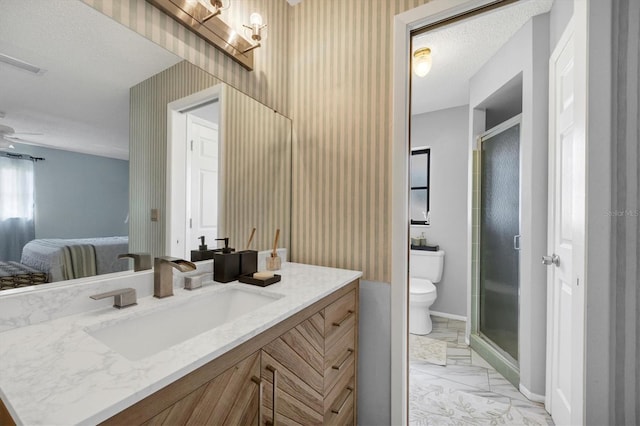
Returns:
(123,298)
(141,261)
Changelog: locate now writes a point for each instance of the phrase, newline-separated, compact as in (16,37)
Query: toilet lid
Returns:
(421,286)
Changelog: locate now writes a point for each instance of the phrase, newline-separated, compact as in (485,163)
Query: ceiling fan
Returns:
(9,135)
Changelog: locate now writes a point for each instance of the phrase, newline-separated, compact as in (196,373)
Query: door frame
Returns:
(176,197)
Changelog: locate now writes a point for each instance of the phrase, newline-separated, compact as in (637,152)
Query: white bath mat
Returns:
(427,349)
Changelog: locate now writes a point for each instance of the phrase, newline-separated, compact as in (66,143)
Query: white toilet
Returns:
(425,269)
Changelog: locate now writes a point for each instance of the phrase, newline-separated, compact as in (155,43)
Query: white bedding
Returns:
(46,254)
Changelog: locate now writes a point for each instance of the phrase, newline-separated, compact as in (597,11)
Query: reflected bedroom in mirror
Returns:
(84,156)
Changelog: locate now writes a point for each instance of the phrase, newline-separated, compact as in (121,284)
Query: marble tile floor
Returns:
(467,391)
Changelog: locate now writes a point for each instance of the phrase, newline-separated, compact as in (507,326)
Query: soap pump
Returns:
(203,253)
(226,263)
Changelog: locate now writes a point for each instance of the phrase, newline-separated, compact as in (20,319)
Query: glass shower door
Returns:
(499,236)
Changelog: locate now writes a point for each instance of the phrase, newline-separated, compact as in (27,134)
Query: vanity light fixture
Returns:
(422,61)
(215,7)
(203,18)
(255,32)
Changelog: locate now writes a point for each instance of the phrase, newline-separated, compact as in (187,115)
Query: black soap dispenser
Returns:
(226,263)
(203,253)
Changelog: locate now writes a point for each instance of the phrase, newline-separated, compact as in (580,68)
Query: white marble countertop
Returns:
(55,373)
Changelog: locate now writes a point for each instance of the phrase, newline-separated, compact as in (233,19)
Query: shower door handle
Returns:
(516,242)
(554,259)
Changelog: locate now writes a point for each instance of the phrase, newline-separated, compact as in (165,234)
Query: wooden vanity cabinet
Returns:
(308,361)
(312,369)
(232,398)
(5,417)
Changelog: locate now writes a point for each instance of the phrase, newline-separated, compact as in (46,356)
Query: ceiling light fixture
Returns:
(256,34)
(422,61)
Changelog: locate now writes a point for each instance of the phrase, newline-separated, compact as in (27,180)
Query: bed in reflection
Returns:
(66,259)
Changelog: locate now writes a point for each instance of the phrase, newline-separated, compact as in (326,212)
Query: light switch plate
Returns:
(155,215)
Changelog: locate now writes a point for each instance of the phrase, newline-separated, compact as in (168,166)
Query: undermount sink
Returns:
(149,334)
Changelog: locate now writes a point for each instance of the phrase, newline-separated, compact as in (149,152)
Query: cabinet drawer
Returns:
(338,360)
(339,317)
(340,403)
(289,383)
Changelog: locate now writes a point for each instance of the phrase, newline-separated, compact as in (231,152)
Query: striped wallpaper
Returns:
(257,171)
(268,82)
(625,259)
(341,99)
(256,161)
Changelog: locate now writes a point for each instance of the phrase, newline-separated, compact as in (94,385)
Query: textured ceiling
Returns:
(459,50)
(82,102)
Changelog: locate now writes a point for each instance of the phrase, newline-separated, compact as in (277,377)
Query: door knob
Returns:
(554,259)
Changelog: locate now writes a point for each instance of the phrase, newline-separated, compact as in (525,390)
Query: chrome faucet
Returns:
(163,276)
(123,297)
(141,261)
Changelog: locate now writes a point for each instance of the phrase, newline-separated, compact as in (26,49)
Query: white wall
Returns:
(527,52)
(446,132)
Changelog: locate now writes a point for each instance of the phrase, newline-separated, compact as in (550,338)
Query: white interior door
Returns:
(565,320)
(202,175)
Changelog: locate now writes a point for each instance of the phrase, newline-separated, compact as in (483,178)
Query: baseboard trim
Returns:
(448,316)
(530,395)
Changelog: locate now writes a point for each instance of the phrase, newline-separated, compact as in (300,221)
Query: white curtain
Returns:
(17,225)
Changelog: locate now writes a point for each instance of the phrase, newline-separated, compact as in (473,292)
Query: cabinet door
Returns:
(293,370)
(232,398)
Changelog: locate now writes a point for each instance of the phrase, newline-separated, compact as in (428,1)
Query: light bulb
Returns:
(255,19)
(422,61)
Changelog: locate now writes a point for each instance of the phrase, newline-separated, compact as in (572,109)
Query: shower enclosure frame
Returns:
(490,351)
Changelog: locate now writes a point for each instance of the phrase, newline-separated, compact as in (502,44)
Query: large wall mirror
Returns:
(91,100)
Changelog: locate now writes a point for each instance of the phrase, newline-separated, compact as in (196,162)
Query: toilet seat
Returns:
(421,286)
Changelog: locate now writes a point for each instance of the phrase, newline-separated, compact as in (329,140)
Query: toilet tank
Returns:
(426,264)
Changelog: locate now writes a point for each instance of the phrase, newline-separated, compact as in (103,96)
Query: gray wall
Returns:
(374,357)
(559,17)
(623,214)
(79,195)
(446,132)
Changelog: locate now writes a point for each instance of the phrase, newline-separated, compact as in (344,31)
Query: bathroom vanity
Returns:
(287,351)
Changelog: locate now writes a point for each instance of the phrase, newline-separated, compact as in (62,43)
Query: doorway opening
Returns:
(477,93)
(195,149)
